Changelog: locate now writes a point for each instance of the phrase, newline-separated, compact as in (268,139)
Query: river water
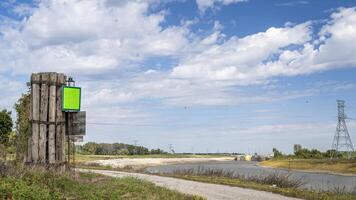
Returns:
(313,180)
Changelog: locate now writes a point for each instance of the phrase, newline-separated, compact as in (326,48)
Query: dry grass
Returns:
(282,184)
(282,180)
(320,165)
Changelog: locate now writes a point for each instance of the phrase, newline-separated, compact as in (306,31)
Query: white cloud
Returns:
(10,91)
(63,36)
(286,51)
(238,58)
(338,38)
(293,3)
(203,5)
(88,36)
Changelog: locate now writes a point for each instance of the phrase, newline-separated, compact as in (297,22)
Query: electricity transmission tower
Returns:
(342,141)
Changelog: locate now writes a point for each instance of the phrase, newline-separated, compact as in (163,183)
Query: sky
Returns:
(201,75)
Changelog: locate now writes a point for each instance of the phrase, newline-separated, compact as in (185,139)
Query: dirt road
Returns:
(209,191)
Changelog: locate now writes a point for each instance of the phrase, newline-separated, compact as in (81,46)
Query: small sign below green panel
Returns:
(71,99)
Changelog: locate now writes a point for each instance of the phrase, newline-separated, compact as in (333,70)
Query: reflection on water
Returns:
(313,180)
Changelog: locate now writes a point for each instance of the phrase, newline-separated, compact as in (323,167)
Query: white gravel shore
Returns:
(145,162)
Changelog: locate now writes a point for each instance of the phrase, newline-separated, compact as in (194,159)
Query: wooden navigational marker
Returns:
(50,121)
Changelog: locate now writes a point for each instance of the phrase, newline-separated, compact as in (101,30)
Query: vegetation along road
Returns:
(206,190)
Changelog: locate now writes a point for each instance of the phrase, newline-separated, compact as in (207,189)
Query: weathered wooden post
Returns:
(54,106)
(52,119)
(60,121)
(47,144)
(43,118)
(35,106)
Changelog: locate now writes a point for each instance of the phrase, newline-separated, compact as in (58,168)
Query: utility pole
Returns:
(342,141)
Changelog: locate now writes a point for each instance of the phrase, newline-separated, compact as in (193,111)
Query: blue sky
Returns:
(204,75)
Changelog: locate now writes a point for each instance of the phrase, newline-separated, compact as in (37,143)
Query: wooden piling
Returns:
(35,94)
(43,117)
(52,119)
(48,122)
(63,134)
(60,140)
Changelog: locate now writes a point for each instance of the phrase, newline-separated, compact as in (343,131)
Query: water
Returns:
(313,180)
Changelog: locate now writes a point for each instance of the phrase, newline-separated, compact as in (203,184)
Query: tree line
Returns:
(94,148)
(300,152)
(14,136)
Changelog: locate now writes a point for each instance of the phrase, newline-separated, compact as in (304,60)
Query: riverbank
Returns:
(141,163)
(313,181)
(206,190)
(339,167)
(81,158)
(288,192)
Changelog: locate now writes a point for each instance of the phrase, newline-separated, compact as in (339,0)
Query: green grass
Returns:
(342,166)
(291,192)
(9,157)
(84,158)
(26,184)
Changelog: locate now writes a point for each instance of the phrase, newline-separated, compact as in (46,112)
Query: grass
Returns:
(38,184)
(80,158)
(342,166)
(108,167)
(282,180)
(277,183)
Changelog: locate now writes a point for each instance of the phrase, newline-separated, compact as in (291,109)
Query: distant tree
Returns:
(332,154)
(276,153)
(5,126)
(115,149)
(5,130)
(158,151)
(297,147)
(91,148)
(307,154)
(122,152)
(22,126)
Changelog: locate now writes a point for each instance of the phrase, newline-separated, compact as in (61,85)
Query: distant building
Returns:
(239,157)
(247,157)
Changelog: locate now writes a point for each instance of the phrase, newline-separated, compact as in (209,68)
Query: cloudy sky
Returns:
(202,75)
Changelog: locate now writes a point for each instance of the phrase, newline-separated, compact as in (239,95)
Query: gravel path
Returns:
(207,190)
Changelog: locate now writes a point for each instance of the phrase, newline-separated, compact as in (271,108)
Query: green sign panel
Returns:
(71,99)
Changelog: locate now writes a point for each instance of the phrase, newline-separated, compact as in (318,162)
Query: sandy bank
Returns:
(147,162)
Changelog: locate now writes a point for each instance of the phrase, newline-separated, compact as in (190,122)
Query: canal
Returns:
(313,180)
